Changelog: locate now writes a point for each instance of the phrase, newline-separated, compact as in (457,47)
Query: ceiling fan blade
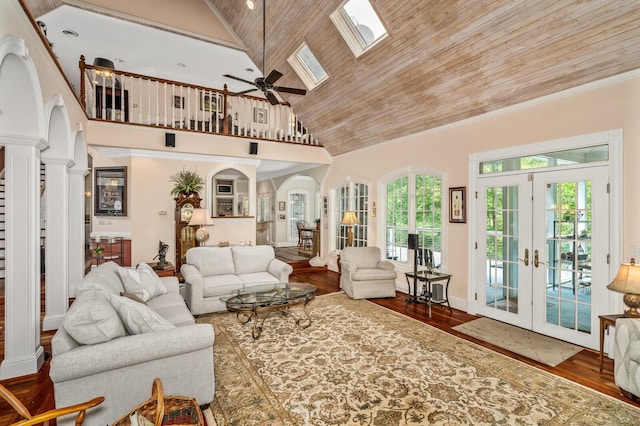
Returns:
(271,97)
(239,79)
(243,92)
(273,76)
(290,90)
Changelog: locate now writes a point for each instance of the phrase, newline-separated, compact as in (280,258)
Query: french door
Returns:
(542,251)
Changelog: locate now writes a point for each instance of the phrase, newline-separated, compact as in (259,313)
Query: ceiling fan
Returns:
(266,84)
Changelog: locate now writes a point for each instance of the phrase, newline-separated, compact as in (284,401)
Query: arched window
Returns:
(413,205)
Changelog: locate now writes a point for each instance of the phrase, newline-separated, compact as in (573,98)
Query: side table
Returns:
(605,322)
(167,271)
(428,297)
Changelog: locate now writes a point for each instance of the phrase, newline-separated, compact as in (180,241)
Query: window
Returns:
(420,213)
(264,208)
(352,196)
(296,213)
(359,25)
(305,64)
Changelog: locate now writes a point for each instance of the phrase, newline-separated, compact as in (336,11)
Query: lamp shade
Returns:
(627,280)
(350,218)
(200,217)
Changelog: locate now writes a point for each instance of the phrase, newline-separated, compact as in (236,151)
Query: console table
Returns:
(428,297)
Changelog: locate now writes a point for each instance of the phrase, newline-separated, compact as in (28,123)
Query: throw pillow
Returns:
(91,319)
(138,318)
(132,297)
(142,282)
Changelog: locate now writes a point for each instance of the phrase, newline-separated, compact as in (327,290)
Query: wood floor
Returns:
(36,391)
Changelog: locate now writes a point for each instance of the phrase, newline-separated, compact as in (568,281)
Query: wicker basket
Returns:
(166,410)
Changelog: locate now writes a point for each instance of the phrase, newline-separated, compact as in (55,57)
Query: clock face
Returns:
(201,234)
(186,212)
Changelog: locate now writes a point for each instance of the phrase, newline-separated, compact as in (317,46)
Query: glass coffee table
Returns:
(259,302)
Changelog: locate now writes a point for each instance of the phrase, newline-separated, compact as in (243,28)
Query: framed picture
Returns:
(282,206)
(178,102)
(457,204)
(208,102)
(281,216)
(110,193)
(260,115)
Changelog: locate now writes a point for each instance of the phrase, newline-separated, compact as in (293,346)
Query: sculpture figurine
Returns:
(162,252)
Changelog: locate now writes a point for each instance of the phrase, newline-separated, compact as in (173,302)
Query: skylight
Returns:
(308,68)
(359,25)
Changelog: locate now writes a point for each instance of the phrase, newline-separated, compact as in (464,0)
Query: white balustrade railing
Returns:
(119,96)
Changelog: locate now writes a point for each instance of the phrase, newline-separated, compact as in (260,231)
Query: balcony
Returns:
(128,98)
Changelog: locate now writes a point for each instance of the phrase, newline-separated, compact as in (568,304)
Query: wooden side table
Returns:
(167,271)
(605,322)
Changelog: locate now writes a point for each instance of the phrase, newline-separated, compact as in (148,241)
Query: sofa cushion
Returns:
(142,281)
(211,260)
(252,259)
(172,307)
(257,278)
(372,274)
(634,351)
(219,285)
(138,318)
(103,277)
(92,319)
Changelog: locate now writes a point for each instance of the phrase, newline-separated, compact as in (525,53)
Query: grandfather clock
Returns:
(185,234)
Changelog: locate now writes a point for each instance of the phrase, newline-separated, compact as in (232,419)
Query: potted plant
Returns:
(187,182)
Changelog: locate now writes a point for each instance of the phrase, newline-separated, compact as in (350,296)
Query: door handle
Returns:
(526,257)
(536,262)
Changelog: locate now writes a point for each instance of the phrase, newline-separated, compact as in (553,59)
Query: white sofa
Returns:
(365,275)
(214,272)
(95,352)
(627,356)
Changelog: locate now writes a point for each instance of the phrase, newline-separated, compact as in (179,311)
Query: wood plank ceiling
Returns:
(443,61)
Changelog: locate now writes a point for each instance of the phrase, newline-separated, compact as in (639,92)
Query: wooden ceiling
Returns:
(443,61)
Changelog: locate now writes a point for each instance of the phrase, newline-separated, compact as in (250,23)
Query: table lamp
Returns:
(628,282)
(201,218)
(349,219)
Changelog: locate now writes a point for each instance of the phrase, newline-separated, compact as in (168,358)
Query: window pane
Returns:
(550,159)
(313,66)
(365,21)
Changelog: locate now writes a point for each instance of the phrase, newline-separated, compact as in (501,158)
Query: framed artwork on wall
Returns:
(110,191)
(282,206)
(178,102)
(260,115)
(457,204)
(208,102)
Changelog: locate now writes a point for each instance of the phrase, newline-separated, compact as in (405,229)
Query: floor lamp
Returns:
(201,218)
(349,219)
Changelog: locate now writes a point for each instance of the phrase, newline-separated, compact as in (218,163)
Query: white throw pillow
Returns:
(92,319)
(138,318)
(143,282)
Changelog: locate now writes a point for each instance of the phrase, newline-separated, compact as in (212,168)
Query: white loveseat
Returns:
(365,275)
(214,272)
(627,356)
(96,353)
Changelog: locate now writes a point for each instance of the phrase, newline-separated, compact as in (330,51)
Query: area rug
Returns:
(546,350)
(362,364)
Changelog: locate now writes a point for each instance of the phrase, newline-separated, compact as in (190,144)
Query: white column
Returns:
(23,352)
(56,198)
(76,229)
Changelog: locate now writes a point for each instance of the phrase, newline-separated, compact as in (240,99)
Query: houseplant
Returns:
(187,182)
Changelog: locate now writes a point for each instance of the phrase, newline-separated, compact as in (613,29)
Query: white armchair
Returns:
(365,275)
(627,356)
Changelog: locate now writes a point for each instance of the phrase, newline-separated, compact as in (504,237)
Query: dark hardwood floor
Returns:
(36,391)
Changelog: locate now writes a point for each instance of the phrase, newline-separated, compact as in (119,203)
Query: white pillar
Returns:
(56,198)
(76,229)
(23,352)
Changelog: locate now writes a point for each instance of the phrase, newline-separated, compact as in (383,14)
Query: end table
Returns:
(605,322)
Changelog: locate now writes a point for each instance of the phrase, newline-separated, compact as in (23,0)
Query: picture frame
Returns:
(260,115)
(282,216)
(110,191)
(458,204)
(178,102)
(209,101)
(282,206)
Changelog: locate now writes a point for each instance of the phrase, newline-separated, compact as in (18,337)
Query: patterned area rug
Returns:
(545,349)
(361,364)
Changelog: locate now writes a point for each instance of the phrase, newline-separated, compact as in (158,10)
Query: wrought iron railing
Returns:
(124,97)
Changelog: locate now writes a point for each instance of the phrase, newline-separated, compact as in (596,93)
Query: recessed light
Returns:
(249,69)
(181,65)
(70,33)
(118,60)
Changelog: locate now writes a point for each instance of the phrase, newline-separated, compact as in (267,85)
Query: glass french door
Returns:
(543,251)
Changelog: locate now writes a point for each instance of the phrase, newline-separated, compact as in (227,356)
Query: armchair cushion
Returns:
(365,274)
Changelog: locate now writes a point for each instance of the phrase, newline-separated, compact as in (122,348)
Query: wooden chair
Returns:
(305,235)
(48,415)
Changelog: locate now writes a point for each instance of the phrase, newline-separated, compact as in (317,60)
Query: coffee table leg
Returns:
(301,321)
